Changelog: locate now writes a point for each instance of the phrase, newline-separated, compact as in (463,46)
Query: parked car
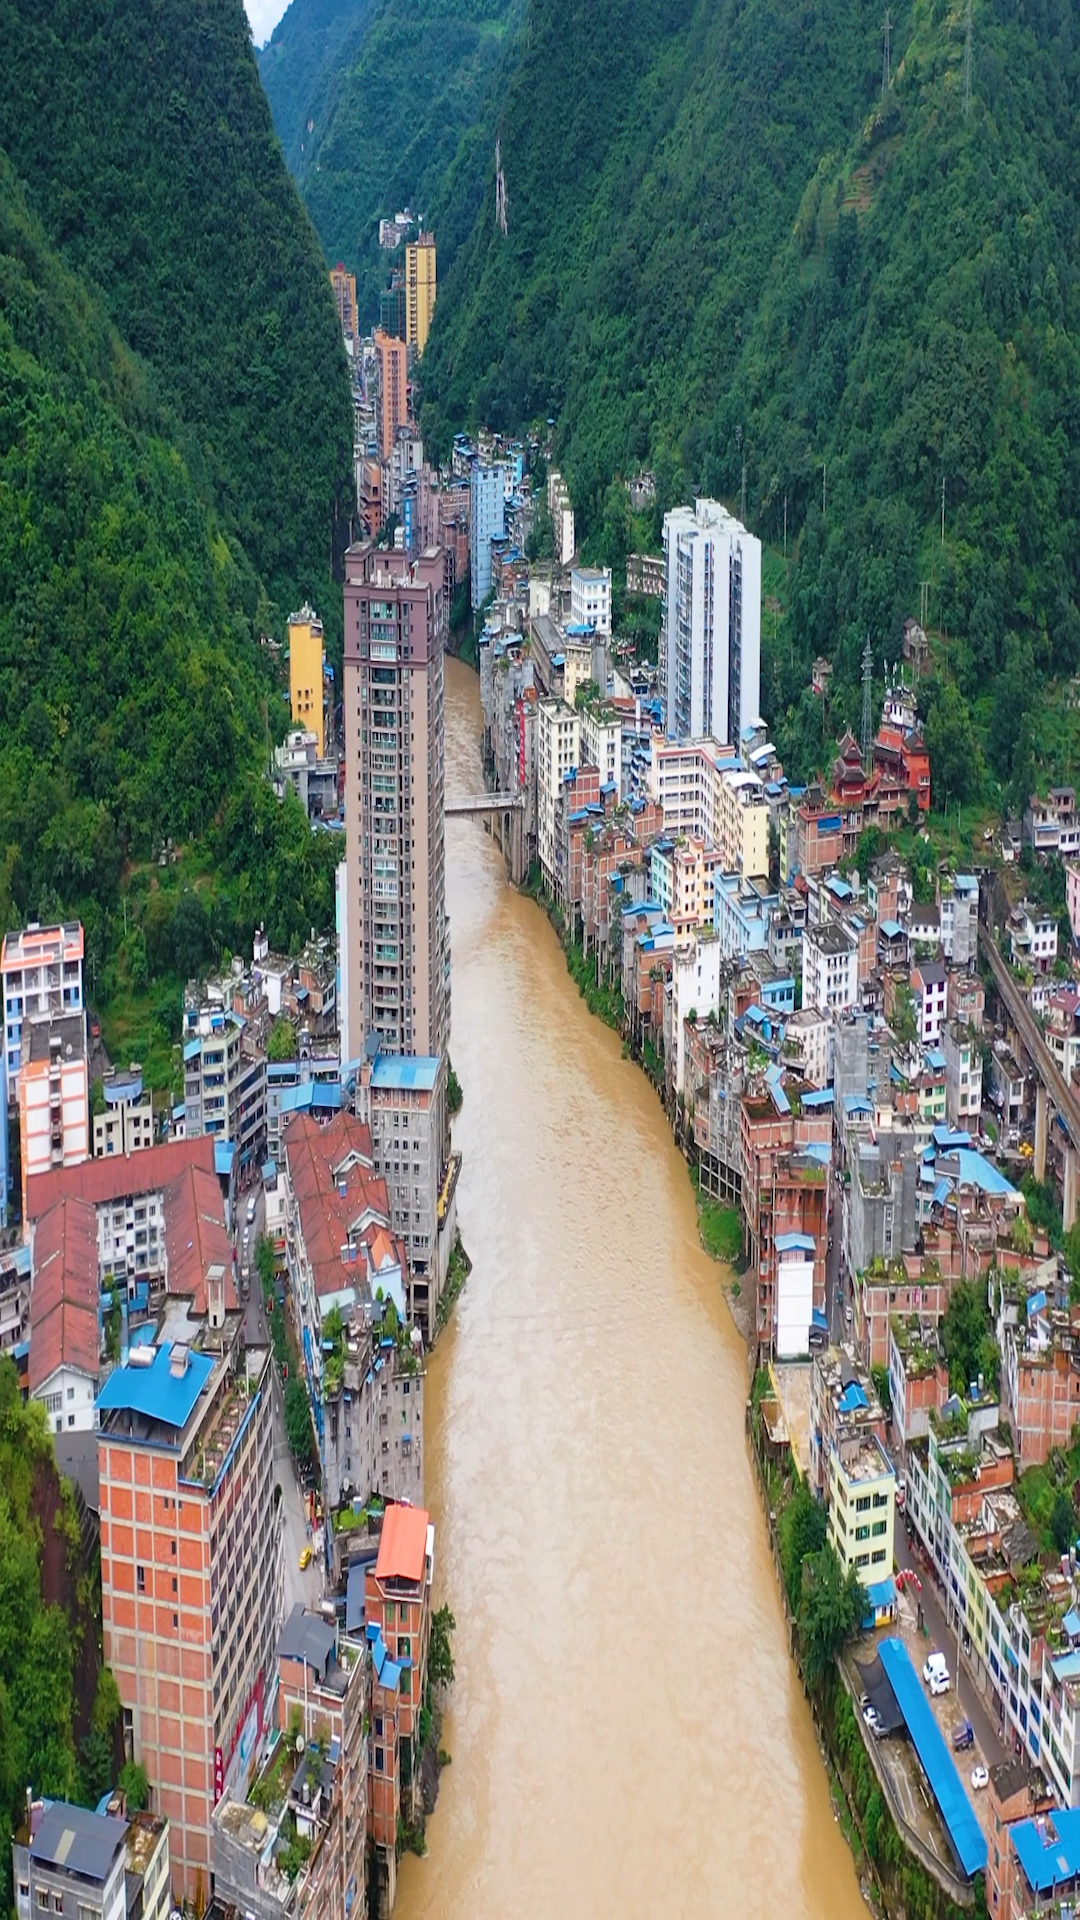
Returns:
(979,1778)
(305,1558)
(940,1684)
(936,1664)
(873,1721)
(251,1211)
(901,1494)
(247,1236)
(963,1736)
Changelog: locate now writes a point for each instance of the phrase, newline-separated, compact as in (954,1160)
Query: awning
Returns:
(878,1687)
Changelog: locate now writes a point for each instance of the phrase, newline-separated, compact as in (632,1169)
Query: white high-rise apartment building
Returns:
(487,522)
(710,638)
(590,599)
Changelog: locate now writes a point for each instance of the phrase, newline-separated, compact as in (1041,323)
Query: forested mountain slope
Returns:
(130,682)
(312,44)
(728,244)
(401,107)
(147,149)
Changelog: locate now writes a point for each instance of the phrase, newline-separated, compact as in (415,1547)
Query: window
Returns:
(43,1899)
(378,1759)
(58,1902)
(140,1579)
(879,1527)
(862,1504)
(71,1393)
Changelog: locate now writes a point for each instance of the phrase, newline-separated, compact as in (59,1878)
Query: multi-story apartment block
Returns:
(421,280)
(127,1123)
(1052,826)
(830,968)
(558,752)
(806,1045)
(590,599)
(602,744)
(918,1376)
(397,930)
(785,1151)
(344,290)
(90,1866)
(307,665)
(391,356)
(862,1506)
(645,574)
(311,1787)
(963,1074)
(743,910)
(697,972)
(710,639)
(397,1621)
(404,1100)
(487,522)
(1033,936)
(929,988)
(843,1402)
(42,973)
(191,1571)
(958,901)
(742,823)
(54,1095)
(224,1081)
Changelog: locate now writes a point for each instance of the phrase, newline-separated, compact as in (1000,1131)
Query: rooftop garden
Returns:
(1047,1496)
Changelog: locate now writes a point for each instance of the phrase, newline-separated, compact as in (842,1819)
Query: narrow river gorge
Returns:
(628,1736)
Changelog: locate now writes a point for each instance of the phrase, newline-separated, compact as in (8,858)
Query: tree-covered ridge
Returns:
(402,109)
(131,688)
(147,149)
(313,44)
(727,245)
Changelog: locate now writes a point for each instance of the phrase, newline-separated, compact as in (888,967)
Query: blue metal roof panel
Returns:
(821,1097)
(1048,1848)
(794,1243)
(963,1828)
(155,1391)
(405,1070)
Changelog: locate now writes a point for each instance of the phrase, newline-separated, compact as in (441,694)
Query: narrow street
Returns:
(966,1700)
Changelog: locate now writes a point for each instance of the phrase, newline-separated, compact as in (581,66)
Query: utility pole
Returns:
(967,61)
(886,65)
(867,684)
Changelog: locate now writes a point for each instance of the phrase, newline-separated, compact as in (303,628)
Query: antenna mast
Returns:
(867,680)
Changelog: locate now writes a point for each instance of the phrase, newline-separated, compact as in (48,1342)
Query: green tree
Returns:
(298,1419)
(440,1656)
(880,1376)
(134,1784)
(281,1044)
(454,1095)
(803,1528)
(950,741)
(829,1613)
(967,1333)
(1063,1521)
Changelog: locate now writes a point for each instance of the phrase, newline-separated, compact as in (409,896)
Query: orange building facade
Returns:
(190,1568)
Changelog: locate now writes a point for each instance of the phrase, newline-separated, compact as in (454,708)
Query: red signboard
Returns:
(219,1774)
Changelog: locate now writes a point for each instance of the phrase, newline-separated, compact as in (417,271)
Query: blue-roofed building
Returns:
(1046,1869)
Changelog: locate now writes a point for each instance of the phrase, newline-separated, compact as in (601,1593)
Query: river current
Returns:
(628,1737)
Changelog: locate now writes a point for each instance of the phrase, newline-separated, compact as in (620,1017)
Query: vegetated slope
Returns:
(402,115)
(146,146)
(726,247)
(129,679)
(312,44)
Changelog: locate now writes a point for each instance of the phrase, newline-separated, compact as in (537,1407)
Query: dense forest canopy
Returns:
(146,147)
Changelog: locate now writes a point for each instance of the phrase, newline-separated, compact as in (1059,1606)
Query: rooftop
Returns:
(71,1837)
(1048,1848)
(405,1070)
(403,1545)
(167,1390)
(307,1637)
(118,1176)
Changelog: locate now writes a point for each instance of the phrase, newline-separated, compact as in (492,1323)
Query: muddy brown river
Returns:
(627,1735)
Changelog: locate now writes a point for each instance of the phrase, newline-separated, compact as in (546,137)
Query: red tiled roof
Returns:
(116,1176)
(195,1235)
(403,1544)
(313,1154)
(64,1292)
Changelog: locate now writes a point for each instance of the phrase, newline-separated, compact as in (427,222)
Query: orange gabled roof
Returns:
(403,1546)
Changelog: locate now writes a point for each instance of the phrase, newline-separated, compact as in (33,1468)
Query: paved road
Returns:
(1035,1046)
(942,1635)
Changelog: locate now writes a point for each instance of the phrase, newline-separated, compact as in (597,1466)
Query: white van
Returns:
(936,1673)
(251,1211)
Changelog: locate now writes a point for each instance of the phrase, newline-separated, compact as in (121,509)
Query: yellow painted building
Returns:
(862,1506)
(420,281)
(306,674)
